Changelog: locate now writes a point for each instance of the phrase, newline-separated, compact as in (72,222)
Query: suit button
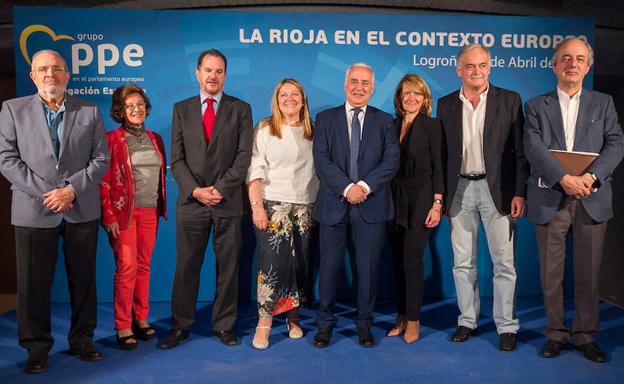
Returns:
(56,166)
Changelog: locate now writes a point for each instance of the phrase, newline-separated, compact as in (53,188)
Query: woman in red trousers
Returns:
(133,197)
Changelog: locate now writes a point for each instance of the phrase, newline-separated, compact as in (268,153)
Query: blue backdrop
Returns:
(158,50)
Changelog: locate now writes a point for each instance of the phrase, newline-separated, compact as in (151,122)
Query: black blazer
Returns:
(505,165)
(421,171)
(222,164)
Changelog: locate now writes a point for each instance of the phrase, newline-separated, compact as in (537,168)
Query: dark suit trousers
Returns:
(194,223)
(408,245)
(365,242)
(588,237)
(37,250)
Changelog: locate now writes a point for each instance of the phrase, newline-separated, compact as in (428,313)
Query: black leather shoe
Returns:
(462,334)
(173,339)
(507,342)
(552,348)
(365,337)
(227,337)
(322,337)
(37,362)
(86,352)
(592,352)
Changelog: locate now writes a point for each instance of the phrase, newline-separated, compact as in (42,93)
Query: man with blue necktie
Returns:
(356,154)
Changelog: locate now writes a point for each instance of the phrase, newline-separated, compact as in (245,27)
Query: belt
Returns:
(474,176)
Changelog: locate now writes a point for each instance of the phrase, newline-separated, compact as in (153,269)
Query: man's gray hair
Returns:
(590,59)
(467,48)
(360,65)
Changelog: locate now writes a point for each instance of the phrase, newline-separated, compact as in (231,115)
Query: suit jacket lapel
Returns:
(223,113)
(553,113)
(343,134)
(583,120)
(369,122)
(456,128)
(69,117)
(491,111)
(39,121)
(196,123)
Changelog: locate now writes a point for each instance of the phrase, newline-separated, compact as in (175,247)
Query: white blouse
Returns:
(285,165)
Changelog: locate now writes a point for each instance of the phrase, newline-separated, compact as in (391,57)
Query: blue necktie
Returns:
(354,147)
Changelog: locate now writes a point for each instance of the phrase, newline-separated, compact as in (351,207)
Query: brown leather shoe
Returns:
(592,352)
(227,337)
(552,348)
(412,332)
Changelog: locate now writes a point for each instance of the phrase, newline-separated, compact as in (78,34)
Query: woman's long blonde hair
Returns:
(275,120)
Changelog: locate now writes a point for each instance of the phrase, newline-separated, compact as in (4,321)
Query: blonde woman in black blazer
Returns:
(417,189)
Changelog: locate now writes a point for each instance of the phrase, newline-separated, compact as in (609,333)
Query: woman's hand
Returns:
(260,218)
(112,229)
(433,217)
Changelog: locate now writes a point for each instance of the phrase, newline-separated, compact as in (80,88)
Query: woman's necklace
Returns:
(136,131)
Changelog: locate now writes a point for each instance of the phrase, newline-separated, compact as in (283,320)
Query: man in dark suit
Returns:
(356,154)
(53,151)
(210,152)
(571,118)
(486,181)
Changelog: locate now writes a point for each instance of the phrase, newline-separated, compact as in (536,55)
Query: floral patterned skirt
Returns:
(284,252)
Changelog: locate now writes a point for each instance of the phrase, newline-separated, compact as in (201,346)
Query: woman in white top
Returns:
(282,188)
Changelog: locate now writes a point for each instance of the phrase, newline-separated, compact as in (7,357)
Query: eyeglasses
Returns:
(55,69)
(132,107)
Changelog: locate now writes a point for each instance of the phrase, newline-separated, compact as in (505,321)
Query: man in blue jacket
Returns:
(571,118)
(356,154)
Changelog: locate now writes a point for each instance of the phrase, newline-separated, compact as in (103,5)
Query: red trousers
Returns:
(133,252)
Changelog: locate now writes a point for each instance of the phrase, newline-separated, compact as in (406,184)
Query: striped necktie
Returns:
(354,146)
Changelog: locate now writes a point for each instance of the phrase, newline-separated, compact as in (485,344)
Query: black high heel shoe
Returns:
(144,333)
(125,342)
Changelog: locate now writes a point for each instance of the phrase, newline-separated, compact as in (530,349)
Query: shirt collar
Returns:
(203,97)
(48,109)
(567,98)
(481,96)
(350,108)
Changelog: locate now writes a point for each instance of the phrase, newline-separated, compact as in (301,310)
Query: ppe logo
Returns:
(104,56)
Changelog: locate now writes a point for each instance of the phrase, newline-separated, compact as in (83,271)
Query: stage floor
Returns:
(433,359)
